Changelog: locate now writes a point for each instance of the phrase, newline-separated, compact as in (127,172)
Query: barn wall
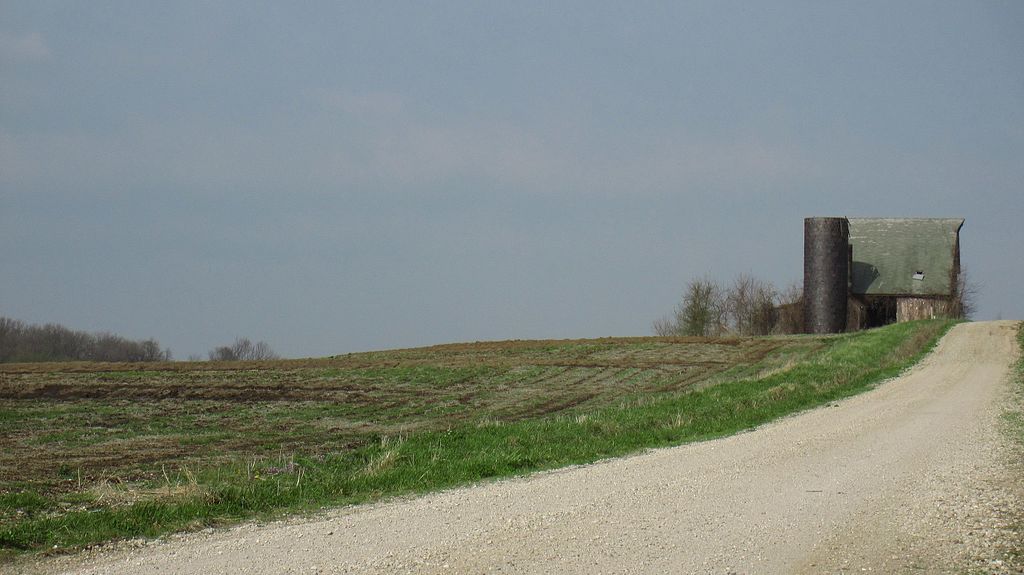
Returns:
(856,315)
(955,280)
(915,308)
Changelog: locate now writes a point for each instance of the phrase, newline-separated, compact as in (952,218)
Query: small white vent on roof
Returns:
(919,276)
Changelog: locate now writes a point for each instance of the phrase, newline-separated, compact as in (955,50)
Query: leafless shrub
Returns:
(750,306)
(666,326)
(243,350)
(765,313)
(790,310)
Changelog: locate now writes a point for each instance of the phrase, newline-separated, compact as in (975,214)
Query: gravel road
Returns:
(909,477)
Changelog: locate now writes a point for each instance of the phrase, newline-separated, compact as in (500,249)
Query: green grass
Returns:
(1014,418)
(371,426)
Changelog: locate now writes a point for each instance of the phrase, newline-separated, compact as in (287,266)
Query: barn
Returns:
(867,272)
(904,269)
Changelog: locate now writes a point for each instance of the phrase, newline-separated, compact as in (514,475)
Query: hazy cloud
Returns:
(349,175)
(381,139)
(12,162)
(375,105)
(23,47)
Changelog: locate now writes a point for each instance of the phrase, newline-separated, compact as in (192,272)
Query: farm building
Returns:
(867,272)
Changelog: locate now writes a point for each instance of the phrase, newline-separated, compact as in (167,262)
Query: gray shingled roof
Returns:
(893,256)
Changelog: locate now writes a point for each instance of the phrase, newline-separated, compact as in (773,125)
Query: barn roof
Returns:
(903,256)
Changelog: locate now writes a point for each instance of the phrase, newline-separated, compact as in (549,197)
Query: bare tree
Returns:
(739,304)
(964,302)
(763,312)
(746,308)
(790,310)
(750,306)
(666,326)
(243,350)
(739,299)
(54,342)
(11,331)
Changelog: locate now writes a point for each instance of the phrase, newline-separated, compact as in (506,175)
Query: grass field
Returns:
(94,452)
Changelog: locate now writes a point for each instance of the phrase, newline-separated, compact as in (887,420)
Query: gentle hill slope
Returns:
(101,451)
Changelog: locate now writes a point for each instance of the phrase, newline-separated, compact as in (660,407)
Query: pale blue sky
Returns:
(336,176)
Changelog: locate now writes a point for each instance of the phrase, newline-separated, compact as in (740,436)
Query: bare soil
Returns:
(911,477)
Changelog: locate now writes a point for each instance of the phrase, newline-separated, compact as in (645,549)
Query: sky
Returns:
(333,177)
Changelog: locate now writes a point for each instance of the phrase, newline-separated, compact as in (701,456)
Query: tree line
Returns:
(747,306)
(752,306)
(22,342)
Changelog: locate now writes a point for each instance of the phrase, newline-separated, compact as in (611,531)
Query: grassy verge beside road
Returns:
(1015,430)
(94,453)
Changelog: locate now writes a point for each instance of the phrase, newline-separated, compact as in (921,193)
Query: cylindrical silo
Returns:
(826,274)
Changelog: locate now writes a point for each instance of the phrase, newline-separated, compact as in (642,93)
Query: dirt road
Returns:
(909,477)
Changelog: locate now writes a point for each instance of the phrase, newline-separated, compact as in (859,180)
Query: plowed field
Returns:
(69,428)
